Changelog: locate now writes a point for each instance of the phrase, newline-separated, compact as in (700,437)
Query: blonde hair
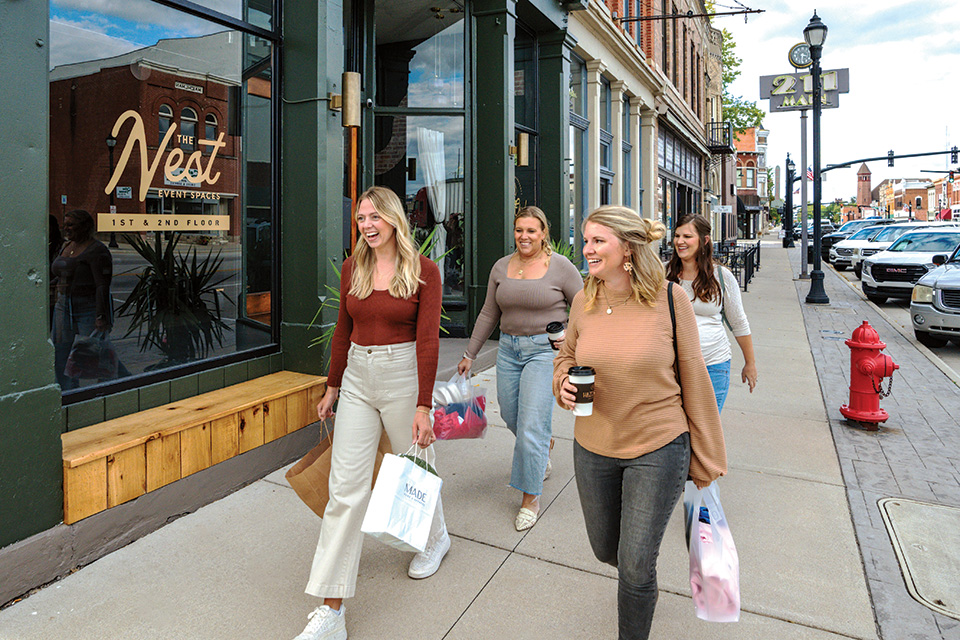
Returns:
(537,214)
(406,279)
(637,235)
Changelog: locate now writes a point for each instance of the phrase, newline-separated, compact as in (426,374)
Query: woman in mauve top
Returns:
(528,289)
(383,364)
(654,421)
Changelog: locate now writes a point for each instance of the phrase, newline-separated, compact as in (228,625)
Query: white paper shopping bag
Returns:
(402,504)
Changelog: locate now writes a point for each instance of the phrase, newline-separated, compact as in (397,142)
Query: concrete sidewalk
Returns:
(236,568)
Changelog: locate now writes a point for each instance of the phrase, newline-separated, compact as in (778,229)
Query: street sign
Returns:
(794,91)
(63,199)
(124,193)
(723,208)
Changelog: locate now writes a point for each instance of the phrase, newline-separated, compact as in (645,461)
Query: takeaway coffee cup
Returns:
(555,332)
(582,378)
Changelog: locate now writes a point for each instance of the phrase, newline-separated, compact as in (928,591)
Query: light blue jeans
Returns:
(525,394)
(720,377)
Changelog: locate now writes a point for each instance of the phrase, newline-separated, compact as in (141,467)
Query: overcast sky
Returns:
(904,61)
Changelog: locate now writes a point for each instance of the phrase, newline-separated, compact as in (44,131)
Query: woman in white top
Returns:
(692,267)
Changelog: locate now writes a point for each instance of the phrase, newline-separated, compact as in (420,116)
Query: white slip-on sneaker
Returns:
(426,563)
(325,624)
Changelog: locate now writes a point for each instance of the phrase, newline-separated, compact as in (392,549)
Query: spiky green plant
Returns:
(175,305)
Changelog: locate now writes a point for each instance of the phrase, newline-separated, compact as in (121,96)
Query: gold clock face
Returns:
(800,56)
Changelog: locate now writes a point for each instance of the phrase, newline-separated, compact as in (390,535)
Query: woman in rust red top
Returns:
(383,364)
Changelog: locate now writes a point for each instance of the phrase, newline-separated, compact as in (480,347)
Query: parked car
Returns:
(935,302)
(841,254)
(894,271)
(825,227)
(884,239)
(847,230)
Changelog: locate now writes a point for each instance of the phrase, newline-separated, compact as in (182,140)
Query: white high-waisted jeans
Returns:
(379,391)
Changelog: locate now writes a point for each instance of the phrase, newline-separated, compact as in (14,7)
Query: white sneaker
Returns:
(325,624)
(426,563)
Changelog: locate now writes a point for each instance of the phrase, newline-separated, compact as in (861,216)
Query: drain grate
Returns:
(926,538)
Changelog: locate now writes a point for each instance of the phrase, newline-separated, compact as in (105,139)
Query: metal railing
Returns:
(743,259)
(720,137)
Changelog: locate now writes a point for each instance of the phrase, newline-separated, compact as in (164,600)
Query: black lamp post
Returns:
(788,213)
(111,143)
(815,33)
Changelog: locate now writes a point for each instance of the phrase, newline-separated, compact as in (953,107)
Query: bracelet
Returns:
(468,357)
(426,411)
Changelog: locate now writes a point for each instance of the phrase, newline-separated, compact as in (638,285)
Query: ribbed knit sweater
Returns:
(638,406)
(381,319)
(525,307)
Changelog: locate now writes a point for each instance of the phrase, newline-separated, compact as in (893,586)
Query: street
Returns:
(898,313)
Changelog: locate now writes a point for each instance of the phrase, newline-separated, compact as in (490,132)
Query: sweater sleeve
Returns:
(567,356)
(428,330)
(733,304)
(572,283)
(340,343)
(708,454)
(490,313)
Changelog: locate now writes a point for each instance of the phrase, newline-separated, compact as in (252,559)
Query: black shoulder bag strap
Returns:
(673,323)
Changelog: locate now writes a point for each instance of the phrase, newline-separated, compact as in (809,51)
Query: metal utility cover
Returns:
(926,538)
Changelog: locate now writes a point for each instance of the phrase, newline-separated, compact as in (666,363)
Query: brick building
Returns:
(88,98)
(751,180)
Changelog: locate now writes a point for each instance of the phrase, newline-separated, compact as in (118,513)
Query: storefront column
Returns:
(616,128)
(648,147)
(312,187)
(30,468)
(490,227)
(555,48)
(594,70)
(640,159)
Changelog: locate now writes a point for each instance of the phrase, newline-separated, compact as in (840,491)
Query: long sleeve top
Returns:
(381,319)
(713,339)
(638,405)
(525,307)
(87,275)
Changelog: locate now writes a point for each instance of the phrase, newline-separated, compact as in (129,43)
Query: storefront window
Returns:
(421,158)
(161,176)
(420,52)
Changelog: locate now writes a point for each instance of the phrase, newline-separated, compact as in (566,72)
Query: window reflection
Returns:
(421,158)
(160,129)
(419,54)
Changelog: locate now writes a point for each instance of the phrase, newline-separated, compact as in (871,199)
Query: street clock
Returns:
(800,55)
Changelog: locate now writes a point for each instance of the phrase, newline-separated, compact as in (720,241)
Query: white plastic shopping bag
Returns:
(403,501)
(714,565)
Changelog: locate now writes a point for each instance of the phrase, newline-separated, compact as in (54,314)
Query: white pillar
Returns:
(648,149)
(638,156)
(594,69)
(616,147)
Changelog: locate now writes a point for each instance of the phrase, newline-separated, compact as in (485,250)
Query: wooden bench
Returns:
(118,460)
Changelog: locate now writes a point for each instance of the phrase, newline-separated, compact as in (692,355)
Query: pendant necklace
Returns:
(523,264)
(617,304)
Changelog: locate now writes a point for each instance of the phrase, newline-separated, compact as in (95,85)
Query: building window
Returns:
(626,171)
(638,26)
(223,211)
(188,129)
(751,178)
(210,127)
(673,46)
(165,121)
(578,166)
(664,23)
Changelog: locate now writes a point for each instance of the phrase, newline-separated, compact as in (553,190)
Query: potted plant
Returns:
(175,305)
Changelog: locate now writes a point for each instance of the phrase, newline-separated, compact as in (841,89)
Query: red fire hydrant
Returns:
(868,368)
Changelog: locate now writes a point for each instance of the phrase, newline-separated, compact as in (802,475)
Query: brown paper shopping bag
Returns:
(310,477)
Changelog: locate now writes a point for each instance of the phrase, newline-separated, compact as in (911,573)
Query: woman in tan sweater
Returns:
(654,421)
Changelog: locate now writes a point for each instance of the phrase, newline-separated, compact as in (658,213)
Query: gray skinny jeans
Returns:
(626,506)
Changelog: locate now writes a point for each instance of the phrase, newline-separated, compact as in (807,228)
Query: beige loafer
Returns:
(525,519)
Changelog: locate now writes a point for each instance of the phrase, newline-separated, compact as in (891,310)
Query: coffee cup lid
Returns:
(555,327)
(581,371)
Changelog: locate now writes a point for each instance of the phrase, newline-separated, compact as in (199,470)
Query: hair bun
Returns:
(654,229)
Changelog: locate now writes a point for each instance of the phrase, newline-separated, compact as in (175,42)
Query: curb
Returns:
(930,355)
